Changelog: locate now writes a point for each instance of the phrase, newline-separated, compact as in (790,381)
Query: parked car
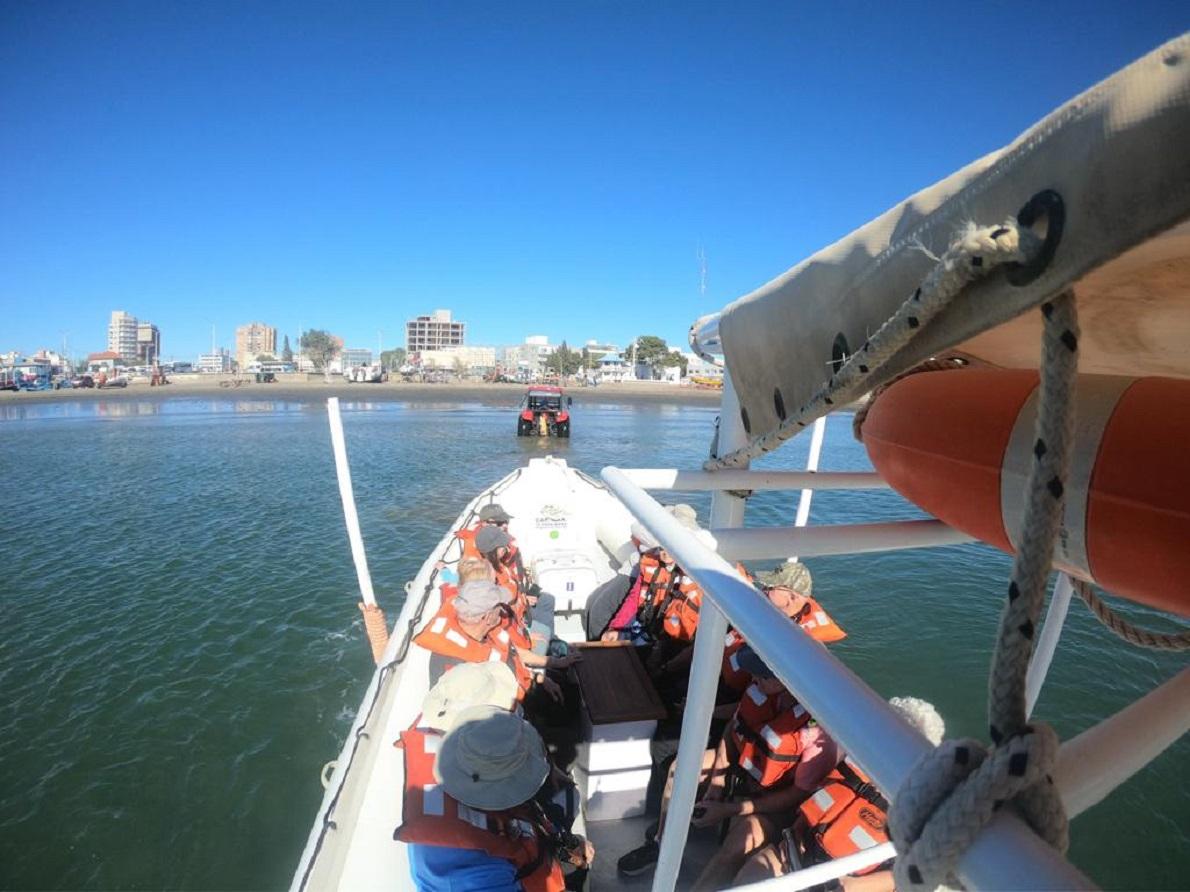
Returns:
(82,381)
(118,381)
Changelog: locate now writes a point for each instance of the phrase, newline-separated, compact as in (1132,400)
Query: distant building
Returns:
(697,367)
(104,362)
(597,347)
(433,332)
(527,359)
(612,369)
(58,363)
(218,362)
(148,343)
(468,360)
(351,357)
(121,335)
(254,339)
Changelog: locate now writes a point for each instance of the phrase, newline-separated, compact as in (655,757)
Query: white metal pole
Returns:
(826,871)
(803,504)
(726,511)
(343,470)
(1047,643)
(766,543)
(1101,758)
(732,478)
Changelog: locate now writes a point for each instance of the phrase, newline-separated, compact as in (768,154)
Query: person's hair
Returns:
(921,715)
(472,568)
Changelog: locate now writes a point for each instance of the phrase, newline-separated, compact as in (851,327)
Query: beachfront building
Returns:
(353,357)
(217,362)
(698,368)
(254,339)
(148,342)
(121,335)
(434,332)
(611,369)
(527,360)
(462,360)
(103,362)
(598,348)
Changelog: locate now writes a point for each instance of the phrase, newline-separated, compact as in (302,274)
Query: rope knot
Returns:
(955,790)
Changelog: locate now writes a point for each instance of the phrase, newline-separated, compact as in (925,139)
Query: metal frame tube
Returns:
(826,871)
(731,478)
(1047,642)
(347,496)
(726,511)
(1005,855)
(765,543)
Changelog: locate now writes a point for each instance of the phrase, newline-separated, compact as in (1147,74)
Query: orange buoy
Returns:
(959,444)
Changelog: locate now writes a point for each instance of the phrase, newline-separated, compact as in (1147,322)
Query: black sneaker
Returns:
(651,831)
(639,861)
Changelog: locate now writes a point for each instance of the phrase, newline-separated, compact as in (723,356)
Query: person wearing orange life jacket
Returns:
(802,609)
(845,815)
(491,514)
(470,817)
(534,607)
(468,629)
(469,570)
(774,750)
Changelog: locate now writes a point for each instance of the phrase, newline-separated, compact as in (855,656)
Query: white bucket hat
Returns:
(464,686)
(491,759)
(685,515)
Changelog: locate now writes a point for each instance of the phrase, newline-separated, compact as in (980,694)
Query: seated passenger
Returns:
(771,757)
(802,609)
(489,515)
(470,815)
(846,815)
(469,570)
(533,606)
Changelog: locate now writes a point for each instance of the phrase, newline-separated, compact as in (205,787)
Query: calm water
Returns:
(181,651)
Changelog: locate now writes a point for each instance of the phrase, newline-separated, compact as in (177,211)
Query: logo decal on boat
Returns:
(551,517)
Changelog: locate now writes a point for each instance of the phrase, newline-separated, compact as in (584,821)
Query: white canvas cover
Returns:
(1119,158)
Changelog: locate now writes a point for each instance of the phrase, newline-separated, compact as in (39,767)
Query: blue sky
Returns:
(544,168)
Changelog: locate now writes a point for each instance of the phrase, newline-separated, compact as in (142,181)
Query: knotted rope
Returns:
(974,254)
(952,793)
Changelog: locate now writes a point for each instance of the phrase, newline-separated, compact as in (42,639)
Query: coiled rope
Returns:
(953,792)
(974,254)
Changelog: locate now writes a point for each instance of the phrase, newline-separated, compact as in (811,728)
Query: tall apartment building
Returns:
(148,343)
(121,335)
(254,339)
(433,332)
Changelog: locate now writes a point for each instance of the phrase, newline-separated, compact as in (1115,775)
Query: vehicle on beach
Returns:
(365,374)
(82,381)
(118,381)
(544,412)
(976,313)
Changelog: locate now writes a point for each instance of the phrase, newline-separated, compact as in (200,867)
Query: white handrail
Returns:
(727,510)
(700,481)
(347,495)
(1005,855)
(764,543)
(826,871)
(1047,641)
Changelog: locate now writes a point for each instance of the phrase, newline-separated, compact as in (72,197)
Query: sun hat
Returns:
(685,515)
(491,759)
(464,686)
(490,538)
(750,661)
(478,597)
(643,536)
(494,513)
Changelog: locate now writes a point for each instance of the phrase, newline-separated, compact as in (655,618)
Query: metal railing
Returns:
(1006,855)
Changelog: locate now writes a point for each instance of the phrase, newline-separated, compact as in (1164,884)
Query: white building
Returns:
(351,357)
(218,362)
(594,346)
(527,359)
(612,369)
(697,367)
(434,332)
(121,335)
(472,360)
(148,342)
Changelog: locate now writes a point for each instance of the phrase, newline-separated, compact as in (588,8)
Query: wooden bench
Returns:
(621,709)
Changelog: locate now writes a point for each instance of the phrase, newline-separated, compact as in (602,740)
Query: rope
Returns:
(933,364)
(1125,629)
(376,628)
(974,254)
(952,793)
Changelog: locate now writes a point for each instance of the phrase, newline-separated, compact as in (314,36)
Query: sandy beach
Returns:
(298,388)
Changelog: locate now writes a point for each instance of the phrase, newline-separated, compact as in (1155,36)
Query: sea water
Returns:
(181,651)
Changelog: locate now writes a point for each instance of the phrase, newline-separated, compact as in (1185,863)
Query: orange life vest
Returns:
(766,733)
(847,815)
(818,623)
(431,817)
(734,676)
(680,620)
(442,635)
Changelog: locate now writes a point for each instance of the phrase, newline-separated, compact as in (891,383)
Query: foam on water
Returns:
(181,651)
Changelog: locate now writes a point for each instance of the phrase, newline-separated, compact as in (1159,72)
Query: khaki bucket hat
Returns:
(491,759)
(464,686)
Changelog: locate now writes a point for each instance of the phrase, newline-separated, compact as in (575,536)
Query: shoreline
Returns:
(220,386)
